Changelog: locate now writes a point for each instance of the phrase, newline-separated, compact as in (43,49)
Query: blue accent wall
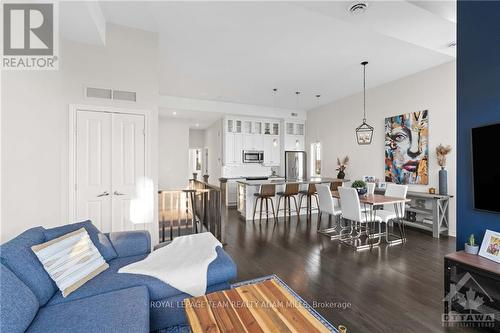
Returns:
(478,93)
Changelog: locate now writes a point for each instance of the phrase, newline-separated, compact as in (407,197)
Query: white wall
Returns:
(196,138)
(334,124)
(213,141)
(35,121)
(173,153)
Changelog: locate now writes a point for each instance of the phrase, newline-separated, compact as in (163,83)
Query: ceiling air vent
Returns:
(124,95)
(358,8)
(98,93)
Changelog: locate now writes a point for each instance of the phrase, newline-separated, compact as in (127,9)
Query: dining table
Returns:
(369,203)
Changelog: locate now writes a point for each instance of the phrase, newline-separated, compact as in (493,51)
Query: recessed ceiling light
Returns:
(174,113)
(358,8)
(197,125)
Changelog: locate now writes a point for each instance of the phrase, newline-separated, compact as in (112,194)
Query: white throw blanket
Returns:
(183,264)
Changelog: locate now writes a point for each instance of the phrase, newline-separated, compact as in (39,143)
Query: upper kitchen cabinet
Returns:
(234,126)
(233,148)
(294,135)
(272,151)
(271,128)
(248,127)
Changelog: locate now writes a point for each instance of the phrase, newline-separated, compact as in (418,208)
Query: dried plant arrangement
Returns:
(441,152)
(342,165)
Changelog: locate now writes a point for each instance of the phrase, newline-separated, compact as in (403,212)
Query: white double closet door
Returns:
(110,164)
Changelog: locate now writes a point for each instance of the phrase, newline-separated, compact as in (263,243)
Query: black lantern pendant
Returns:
(364,132)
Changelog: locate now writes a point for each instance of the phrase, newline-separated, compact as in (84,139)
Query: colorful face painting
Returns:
(407,148)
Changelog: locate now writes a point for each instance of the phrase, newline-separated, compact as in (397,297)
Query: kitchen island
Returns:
(247,189)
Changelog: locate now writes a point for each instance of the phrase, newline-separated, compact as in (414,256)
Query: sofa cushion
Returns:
(17,255)
(130,243)
(220,270)
(18,304)
(71,260)
(98,238)
(125,310)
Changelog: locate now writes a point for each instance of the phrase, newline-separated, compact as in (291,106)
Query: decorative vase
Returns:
(361,190)
(341,175)
(471,249)
(443,181)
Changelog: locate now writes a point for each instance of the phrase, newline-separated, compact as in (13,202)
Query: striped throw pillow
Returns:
(71,260)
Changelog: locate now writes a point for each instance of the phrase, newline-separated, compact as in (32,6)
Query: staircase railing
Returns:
(200,207)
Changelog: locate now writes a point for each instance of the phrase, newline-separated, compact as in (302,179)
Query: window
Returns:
(316,159)
(195,160)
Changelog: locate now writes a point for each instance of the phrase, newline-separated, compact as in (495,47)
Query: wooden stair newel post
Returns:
(223,208)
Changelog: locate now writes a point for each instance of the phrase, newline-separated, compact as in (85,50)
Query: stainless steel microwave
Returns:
(253,156)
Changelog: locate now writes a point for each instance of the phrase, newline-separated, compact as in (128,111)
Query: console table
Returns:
(472,285)
(431,211)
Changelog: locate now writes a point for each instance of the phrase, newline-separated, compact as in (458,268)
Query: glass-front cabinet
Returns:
(234,126)
(294,135)
(257,127)
(247,133)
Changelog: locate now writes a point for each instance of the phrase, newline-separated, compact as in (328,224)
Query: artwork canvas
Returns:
(407,148)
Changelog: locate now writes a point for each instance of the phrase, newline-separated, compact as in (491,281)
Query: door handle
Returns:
(118,193)
(103,194)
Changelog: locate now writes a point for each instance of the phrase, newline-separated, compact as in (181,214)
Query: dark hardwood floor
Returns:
(387,289)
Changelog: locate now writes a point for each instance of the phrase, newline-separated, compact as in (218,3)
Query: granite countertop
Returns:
(285,181)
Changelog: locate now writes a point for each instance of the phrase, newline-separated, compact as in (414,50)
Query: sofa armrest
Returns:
(130,243)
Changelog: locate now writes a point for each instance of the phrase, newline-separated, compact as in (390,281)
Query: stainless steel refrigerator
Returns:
(295,165)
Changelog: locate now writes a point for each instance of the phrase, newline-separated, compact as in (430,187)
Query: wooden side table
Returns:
(260,307)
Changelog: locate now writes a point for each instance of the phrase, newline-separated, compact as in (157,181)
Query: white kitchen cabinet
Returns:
(294,136)
(252,142)
(233,148)
(234,125)
(248,127)
(238,148)
(258,142)
(247,133)
(232,188)
(229,149)
(271,150)
(257,127)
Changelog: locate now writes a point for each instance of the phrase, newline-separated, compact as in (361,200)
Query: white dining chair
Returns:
(370,188)
(328,206)
(389,212)
(388,215)
(351,211)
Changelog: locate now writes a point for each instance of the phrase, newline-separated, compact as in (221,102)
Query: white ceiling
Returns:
(240,51)
(195,119)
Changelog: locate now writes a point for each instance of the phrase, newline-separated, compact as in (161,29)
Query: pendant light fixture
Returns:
(364,132)
(297,93)
(318,96)
(275,90)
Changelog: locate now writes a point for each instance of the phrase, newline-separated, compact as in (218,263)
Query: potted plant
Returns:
(471,247)
(360,186)
(441,152)
(341,166)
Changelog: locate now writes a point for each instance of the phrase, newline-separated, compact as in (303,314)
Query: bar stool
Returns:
(291,190)
(267,193)
(309,194)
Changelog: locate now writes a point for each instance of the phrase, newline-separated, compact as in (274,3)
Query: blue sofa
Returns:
(110,302)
